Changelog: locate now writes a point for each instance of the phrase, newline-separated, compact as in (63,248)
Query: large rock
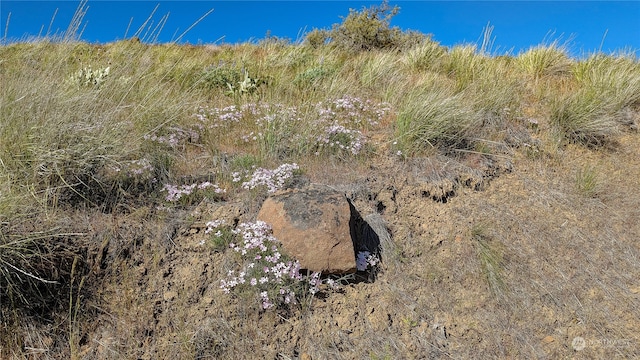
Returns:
(313,226)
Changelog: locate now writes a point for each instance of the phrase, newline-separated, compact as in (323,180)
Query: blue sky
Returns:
(586,26)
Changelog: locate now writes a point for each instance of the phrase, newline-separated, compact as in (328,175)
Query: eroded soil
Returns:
(489,257)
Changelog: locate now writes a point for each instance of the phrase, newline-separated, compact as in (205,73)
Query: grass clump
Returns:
(101,141)
(428,56)
(593,111)
(544,61)
(584,116)
(490,258)
(435,119)
(587,181)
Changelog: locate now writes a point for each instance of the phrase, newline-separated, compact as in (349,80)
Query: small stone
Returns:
(548,339)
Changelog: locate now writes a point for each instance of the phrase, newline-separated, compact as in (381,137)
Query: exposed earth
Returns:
(489,257)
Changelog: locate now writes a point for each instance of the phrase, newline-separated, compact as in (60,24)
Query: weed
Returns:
(313,76)
(220,75)
(247,86)
(89,77)
(587,181)
(221,234)
(490,257)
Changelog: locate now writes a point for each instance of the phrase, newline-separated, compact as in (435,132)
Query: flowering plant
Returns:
(273,180)
(337,138)
(177,192)
(275,279)
(352,111)
(366,261)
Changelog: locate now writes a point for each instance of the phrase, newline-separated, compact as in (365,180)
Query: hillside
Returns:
(507,186)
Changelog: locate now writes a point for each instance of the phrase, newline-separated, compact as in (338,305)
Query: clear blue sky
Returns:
(586,25)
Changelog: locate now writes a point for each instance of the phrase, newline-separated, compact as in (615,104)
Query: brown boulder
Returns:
(313,226)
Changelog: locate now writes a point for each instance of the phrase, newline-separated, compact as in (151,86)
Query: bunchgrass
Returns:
(591,112)
(544,60)
(587,181)
(490,258)
(435,118)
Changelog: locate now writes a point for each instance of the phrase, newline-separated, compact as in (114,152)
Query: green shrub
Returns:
(219,76)
(317,38)
(369,29)
(312,76)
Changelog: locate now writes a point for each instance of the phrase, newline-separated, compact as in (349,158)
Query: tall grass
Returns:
(592,111)
(72,143)
(435,118)
(467,101)
(543,60)
(108,142)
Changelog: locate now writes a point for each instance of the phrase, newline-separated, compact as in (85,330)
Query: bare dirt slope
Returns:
(488,258)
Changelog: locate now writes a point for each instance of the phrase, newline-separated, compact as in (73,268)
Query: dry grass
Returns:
(501,236)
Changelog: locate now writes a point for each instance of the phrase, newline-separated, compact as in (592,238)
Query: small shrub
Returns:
(88,77)
(244,162)
(218,76)
(369,29)
(317,38)
(312,76)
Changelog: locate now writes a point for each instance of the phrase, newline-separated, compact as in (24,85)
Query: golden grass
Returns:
(80,159)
